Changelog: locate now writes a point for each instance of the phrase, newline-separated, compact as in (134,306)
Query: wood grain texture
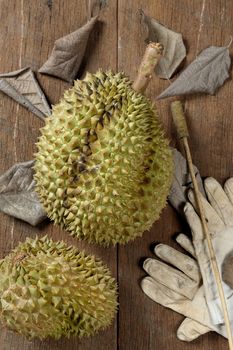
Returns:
(28,29)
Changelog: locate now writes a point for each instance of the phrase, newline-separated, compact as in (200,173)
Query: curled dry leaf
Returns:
(68,52)
(23,87)
(227,269)
(17,196)
(182,182)
(204,75)
(174,49)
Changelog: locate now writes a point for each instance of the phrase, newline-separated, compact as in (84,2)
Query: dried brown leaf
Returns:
(182,181)
(23,87)
(17,195)
(68,52)
(174,49)
(227,269)
(204,75)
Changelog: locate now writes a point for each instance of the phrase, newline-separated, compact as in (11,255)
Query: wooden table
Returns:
(28,29)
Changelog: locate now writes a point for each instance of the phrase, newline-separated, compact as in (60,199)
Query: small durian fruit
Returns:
(49,289)
(103,168)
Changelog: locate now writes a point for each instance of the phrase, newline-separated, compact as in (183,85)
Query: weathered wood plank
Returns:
(142,323)
(28,31)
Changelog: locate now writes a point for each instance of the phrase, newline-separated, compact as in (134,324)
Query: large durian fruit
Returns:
(48,289)
(103,167)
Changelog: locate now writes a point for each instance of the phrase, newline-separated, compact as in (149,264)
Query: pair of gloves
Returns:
(185,283)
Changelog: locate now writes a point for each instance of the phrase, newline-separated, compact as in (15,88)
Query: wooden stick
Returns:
(182,130)
(150,60)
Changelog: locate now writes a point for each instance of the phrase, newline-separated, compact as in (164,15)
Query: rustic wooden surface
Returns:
(28,29)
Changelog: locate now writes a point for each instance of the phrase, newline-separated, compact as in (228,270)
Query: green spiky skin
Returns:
(48,289)
(103,167)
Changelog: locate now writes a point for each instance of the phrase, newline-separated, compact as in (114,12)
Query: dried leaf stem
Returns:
(150,60)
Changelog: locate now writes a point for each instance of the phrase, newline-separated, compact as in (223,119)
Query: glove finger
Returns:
(186,244)
(219,200)
(228,188)
(191,329)
(195,309)
(181,261)
(171,278)
(163,295)
(215,224)
(193,221)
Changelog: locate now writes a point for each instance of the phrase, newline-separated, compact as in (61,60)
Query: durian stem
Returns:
(150,60)
(182,130)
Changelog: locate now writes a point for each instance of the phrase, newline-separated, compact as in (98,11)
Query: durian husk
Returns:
(49,289)
(103,168)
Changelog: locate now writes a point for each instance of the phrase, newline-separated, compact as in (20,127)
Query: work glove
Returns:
(219,217)
(174,282)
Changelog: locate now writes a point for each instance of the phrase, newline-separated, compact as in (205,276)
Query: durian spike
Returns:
(150,60)
(182,131)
